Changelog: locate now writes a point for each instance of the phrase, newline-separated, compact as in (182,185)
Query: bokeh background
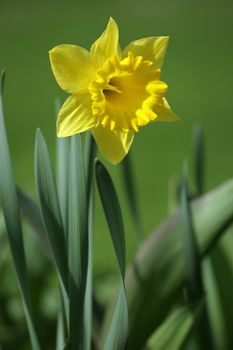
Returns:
(198,68)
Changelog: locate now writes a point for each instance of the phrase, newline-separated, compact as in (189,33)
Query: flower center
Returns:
(126,92)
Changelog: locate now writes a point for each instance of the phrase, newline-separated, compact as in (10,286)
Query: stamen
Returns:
(126,93)
(111,88)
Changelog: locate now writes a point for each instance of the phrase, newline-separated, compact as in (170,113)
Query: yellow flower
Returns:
(113,92)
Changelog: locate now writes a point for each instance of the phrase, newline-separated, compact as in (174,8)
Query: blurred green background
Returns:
(198,68)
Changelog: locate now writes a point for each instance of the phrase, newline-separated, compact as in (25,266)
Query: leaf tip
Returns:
(2,79)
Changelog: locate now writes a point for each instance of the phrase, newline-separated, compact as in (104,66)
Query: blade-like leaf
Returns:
(216,310)
(9,200)
(90,150)
(193,267)
(90,153)
(31,213)
(77,241)
(49,206)
(157,273)
(118,331)
(176,330)
(199,160)
(60,339)
(62,160)
(215,316)
(88,293)
(63,148)
(112,213)
(192,256)
(116,338)
(130,190)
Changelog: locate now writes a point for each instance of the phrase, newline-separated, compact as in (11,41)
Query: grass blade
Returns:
(153,270)
(218,320)
(193,267)
(9,199)
(118,332)
(49,206)
(87,335)
(62,160)
(130,190)
(199,160)
(192,256)
(63,149)
(77,241)
(60,339)
(176,330)
(89,151)
(31,213)
(112,213)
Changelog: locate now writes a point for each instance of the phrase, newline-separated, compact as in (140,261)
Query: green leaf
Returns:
(63,149)
(62,162)
(218,273)
(112,213)
(9,200)
(218,319)
(199,160)
(130,191)
(77,241)
(176,330)
(30,211)
(87,335)
(192,256)
(117,334)
(118,331)
(193,267)
(60,339)
(49,206)
(157,273)
(90,151)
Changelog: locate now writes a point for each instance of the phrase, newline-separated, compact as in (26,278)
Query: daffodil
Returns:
(113,92)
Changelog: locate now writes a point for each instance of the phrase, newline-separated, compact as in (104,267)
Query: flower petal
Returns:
(71,67)
(113,144)
(106,45)
(75,116)
(152,49)
(165,114)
